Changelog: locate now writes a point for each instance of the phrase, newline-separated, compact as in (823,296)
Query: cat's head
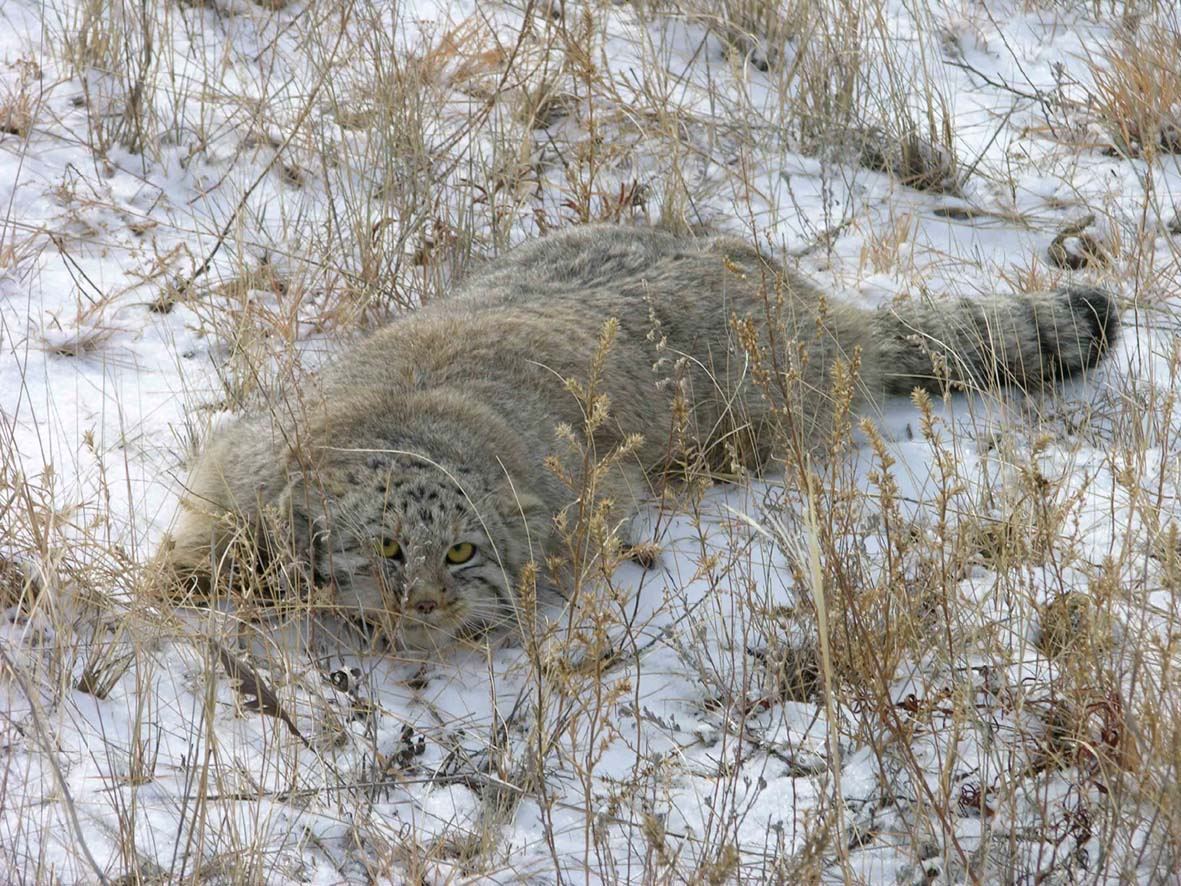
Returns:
(428,552)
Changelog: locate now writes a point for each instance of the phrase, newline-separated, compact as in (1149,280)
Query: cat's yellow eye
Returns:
(460,553)
(390,549)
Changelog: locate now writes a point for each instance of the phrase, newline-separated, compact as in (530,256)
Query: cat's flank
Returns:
(414,485)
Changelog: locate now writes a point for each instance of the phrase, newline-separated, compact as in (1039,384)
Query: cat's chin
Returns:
(425,640)
(431,639)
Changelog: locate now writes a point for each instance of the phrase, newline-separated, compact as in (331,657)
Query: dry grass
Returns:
(995,674)
(18,102)
(1137,88)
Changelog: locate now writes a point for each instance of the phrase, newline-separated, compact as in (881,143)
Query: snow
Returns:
(684,746)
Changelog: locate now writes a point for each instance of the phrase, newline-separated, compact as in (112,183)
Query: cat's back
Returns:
(545,304)
(591,260)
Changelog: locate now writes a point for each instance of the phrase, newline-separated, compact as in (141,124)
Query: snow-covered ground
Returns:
(198,200)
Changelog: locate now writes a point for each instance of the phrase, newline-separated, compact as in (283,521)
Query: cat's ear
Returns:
(302,524)
(517,506)
(301,507)
(295,487)
(511,501)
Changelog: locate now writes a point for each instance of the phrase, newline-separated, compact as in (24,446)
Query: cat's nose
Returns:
(425,602)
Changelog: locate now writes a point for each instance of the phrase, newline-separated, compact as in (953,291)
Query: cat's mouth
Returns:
(407,627)
(444,629)
(420,635)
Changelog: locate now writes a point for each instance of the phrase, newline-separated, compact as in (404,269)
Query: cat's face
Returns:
(429,554)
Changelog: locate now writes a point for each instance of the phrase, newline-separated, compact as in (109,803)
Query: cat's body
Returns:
(417,483)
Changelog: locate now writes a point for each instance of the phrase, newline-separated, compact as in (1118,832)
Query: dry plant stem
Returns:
(296,129)
(816,586)
(460,139)
(48,746)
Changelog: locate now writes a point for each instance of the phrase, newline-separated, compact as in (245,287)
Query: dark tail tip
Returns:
(1098,308)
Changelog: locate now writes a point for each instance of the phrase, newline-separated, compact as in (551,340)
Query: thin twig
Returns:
(51,755)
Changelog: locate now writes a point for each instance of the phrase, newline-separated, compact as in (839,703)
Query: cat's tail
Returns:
(1026,341)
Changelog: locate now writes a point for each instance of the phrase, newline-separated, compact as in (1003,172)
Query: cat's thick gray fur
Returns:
(435,431)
